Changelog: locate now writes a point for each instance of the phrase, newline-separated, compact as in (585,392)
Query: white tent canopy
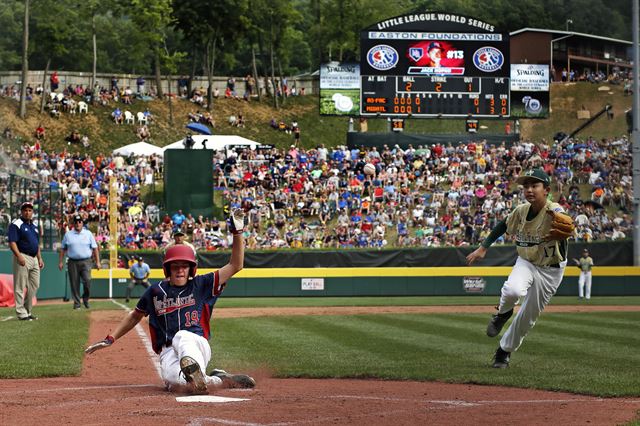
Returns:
(138,148)
(215,142)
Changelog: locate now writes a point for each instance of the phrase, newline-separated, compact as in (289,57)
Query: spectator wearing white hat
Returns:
(179,239)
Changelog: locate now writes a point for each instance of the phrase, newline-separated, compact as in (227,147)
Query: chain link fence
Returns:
(47,206)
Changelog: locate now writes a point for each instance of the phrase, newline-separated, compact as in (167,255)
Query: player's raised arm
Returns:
(481,251)
(236,263)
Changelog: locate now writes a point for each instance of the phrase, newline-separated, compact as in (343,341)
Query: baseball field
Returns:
(405,360)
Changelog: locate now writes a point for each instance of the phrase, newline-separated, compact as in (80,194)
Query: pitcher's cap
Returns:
(537,174)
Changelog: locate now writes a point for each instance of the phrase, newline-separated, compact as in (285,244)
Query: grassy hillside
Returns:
(105,135)
(567,99)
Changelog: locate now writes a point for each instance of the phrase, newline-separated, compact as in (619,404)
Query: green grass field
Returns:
(594,353)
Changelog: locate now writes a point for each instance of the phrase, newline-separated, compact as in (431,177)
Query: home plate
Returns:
(209,398)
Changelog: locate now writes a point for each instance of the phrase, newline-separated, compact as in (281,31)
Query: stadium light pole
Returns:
(635,131)
(567,22)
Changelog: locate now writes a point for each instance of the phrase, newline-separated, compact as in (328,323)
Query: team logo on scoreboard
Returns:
(416,53)
(488,59)
(382,57)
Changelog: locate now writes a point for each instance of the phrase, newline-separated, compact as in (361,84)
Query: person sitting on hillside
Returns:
(239,121)
(127,94)
(40,133)
(143,133)
(196,97)
(207,119)
(118,116)
(54,110)
(74,137)
(147,114)
(194,116)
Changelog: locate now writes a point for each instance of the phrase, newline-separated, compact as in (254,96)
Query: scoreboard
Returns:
(434,65)
(435,96)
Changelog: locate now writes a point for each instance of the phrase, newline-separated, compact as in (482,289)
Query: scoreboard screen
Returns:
(434,65)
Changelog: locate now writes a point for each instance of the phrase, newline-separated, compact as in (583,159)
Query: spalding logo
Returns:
(488,59)
(382,57)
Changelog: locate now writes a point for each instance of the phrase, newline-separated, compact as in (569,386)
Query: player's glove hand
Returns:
(562,226)
(108,341)
(237,221)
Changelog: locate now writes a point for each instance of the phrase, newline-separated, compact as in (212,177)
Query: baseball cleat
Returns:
(193,375)
(497,322)
(501,358)
(234,380)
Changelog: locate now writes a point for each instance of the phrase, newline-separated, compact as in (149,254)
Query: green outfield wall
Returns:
(430,281)
(346,281)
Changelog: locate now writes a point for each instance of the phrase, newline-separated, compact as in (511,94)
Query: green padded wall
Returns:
(188,181)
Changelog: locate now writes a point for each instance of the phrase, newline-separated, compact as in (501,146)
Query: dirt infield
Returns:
(121,385)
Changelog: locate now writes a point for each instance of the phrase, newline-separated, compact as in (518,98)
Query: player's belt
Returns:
(79,260)
(555,265)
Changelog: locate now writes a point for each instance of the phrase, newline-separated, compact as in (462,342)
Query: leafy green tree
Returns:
(53,39)
(11,12)
(215,27)
(152,19)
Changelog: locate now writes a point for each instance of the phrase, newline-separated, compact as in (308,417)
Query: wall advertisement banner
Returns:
(530,77)
(339,88)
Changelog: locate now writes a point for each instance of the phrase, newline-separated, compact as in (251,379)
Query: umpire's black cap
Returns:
(26,205)
(77,218)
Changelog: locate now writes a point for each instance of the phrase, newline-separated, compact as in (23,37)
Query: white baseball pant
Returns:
(584,285)
(185,343)
(536,284)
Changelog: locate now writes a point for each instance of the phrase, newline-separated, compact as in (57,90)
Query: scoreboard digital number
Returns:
(472,126)
(435,96)
(397,125)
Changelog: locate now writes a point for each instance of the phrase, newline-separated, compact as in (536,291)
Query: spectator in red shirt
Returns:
(40,133)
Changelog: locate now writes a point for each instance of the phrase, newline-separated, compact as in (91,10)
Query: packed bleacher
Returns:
(440,195)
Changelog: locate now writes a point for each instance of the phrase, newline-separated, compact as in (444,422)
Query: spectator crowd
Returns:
(429,196)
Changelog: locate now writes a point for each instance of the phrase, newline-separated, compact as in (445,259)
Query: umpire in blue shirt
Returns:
(80,246)
(139,272)
(24,242)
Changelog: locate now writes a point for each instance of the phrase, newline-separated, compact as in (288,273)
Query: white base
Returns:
(209,398)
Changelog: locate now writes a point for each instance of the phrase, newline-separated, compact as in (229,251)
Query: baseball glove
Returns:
(237,221)
(108,341)
(562,226)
